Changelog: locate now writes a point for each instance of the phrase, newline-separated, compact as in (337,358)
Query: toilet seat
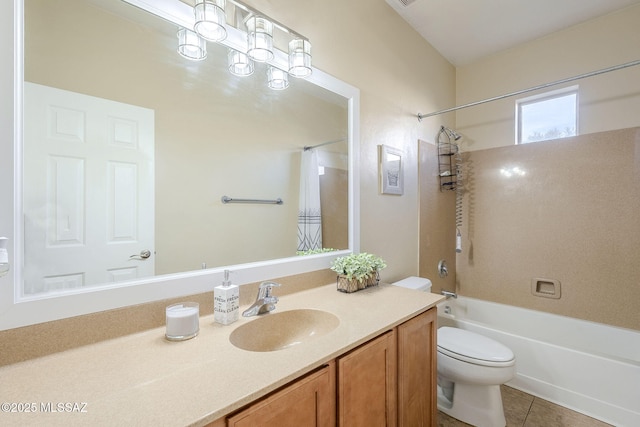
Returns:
(473,348)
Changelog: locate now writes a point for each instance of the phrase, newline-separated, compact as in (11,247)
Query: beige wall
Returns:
(573,217)
(366,44)
(334,203)
(606,102)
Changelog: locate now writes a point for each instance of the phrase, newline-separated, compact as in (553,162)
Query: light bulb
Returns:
(259,39)
(191,45)
(211,21)
(300,58)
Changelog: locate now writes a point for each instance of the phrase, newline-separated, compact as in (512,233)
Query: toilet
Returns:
(471,368)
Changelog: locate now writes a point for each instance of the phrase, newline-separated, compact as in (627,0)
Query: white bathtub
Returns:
(589,367)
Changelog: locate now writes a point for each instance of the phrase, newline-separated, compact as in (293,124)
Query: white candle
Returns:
(182,321)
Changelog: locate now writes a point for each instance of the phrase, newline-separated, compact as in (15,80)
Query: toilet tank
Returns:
(414,282)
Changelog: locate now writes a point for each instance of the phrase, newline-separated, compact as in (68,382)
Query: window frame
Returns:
(542,97)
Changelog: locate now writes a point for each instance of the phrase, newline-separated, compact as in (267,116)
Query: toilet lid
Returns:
(473,348)
(416,283)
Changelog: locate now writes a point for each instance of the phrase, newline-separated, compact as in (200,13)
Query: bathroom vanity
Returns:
(375,366)
(389,380)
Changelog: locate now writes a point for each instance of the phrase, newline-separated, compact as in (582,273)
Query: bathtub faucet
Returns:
(449,294)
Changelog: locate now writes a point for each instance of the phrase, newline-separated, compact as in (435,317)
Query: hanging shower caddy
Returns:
(448,165)
(449,159)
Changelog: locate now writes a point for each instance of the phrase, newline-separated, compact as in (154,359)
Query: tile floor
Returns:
(524,410)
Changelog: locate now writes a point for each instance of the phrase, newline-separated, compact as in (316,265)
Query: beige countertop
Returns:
(143,379)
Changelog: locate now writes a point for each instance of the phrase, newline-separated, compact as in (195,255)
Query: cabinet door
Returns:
(417,374)
(306,402)
(367,384)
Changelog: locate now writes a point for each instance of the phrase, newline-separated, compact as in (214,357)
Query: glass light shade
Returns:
(277,79)
(300,58)
(191,45)
(239,63)
(259,39)
(211,21)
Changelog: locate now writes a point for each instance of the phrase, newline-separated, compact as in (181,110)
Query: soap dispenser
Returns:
(226,301)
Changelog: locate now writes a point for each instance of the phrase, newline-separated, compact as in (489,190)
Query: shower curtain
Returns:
(309,215)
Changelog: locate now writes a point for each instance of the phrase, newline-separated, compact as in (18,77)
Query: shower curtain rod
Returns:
(531,89)
(309,147)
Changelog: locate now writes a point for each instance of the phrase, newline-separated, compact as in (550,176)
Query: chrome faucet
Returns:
(449,294)
(265,301)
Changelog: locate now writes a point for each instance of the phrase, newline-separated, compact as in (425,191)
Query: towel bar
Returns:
(227,199)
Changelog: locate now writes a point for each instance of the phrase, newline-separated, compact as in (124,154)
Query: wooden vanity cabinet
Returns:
(367,384)
(309,401)
(386,382)
(391,380)
(417,371)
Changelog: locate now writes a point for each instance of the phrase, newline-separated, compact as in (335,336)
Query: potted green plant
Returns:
(357,271)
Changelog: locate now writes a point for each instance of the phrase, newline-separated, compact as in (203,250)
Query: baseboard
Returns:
(578,402)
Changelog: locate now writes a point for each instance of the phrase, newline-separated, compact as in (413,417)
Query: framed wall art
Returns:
(391,170)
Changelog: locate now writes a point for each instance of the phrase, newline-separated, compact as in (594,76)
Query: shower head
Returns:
(450,133)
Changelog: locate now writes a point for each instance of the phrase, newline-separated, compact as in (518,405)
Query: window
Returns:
(547,116)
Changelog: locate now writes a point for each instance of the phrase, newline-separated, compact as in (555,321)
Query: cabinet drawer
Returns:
(309,401)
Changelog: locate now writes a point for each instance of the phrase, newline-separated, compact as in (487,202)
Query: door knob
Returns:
(144,254)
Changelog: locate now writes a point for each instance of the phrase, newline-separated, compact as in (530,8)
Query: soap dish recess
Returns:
(547,288)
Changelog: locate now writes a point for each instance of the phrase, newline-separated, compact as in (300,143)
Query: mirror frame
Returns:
(17,311)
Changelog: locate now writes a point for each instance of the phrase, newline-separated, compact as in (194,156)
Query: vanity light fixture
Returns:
(246,32)
(259,38)
(277,79)
(191,45)
(300,58)
(239,63)
(210,20)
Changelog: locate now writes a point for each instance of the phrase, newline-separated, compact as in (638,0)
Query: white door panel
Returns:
(88,190)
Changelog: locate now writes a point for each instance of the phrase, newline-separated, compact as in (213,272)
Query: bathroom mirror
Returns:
(212,134)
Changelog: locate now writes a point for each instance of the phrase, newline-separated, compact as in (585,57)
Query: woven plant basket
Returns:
(352,285)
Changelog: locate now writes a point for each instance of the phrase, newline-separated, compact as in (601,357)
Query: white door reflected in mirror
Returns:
(88,190)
